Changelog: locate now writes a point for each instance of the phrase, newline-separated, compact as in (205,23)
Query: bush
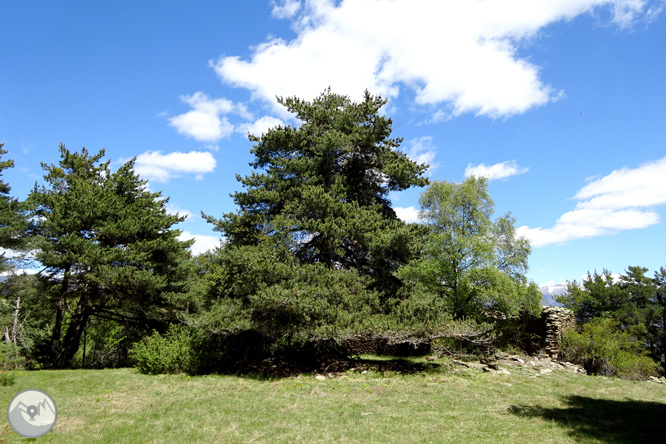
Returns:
(602,348)
(8,378)
(163,354)
(12,363)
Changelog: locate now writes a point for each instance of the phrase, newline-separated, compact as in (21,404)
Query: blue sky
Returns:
(562,104)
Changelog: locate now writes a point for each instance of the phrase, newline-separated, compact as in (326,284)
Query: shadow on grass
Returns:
(271,369)
(606,420)
(398,365)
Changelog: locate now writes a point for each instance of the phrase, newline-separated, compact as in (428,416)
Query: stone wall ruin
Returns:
(545,331)
(555,320)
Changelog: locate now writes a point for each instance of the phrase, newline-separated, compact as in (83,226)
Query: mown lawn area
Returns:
(437,406)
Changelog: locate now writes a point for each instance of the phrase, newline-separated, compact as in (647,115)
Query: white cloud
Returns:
(153,165)
(259,127)
(625,12)
(288,9)
(205,122)
(423,151)
(623,200)
(202,243)
(174,209)
(409,214)
(496,171)
(461,56)
(644,186)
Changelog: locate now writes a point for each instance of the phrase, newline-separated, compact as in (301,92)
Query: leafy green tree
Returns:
(108,249)
(312,249)
(324,190)
(474,264)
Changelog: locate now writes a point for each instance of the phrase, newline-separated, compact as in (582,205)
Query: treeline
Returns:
(315,254)
(621,322)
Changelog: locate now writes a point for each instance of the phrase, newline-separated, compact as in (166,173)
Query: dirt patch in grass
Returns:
(67,423)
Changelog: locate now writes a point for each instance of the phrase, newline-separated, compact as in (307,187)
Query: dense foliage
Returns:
(315,244)
(635,301)
(168,353)
(107,248)
(475,265)
(603,348)
(324,190)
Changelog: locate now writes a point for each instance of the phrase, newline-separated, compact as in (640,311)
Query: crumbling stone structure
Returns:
(368,344)
(555,320)
(544,333)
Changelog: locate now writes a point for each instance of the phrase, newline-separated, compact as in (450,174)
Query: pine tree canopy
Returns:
(324,187)
(106,244)
(13,222)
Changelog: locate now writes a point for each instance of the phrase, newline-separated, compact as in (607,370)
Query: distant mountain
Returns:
(549,290)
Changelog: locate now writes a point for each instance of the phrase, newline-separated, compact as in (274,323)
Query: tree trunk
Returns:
(60,311)
(72,339)
(11,339)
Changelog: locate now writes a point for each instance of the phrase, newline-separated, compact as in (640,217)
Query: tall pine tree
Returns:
(108,248)
(324,189)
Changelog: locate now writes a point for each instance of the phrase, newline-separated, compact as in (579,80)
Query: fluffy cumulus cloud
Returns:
(159,167)
(260,126)
(202,243)
(623,200)
(206,122)
(496,171)
(457,57)
(408,214)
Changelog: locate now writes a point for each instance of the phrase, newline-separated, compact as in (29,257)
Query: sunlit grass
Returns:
(439,406)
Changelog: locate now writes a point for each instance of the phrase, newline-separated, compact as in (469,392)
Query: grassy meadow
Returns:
(444,404)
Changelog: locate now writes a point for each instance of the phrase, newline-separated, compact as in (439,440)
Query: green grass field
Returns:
(437,406)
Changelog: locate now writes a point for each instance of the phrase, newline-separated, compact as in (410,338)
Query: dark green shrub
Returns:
(604,349)
(225,352)
(168,353)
